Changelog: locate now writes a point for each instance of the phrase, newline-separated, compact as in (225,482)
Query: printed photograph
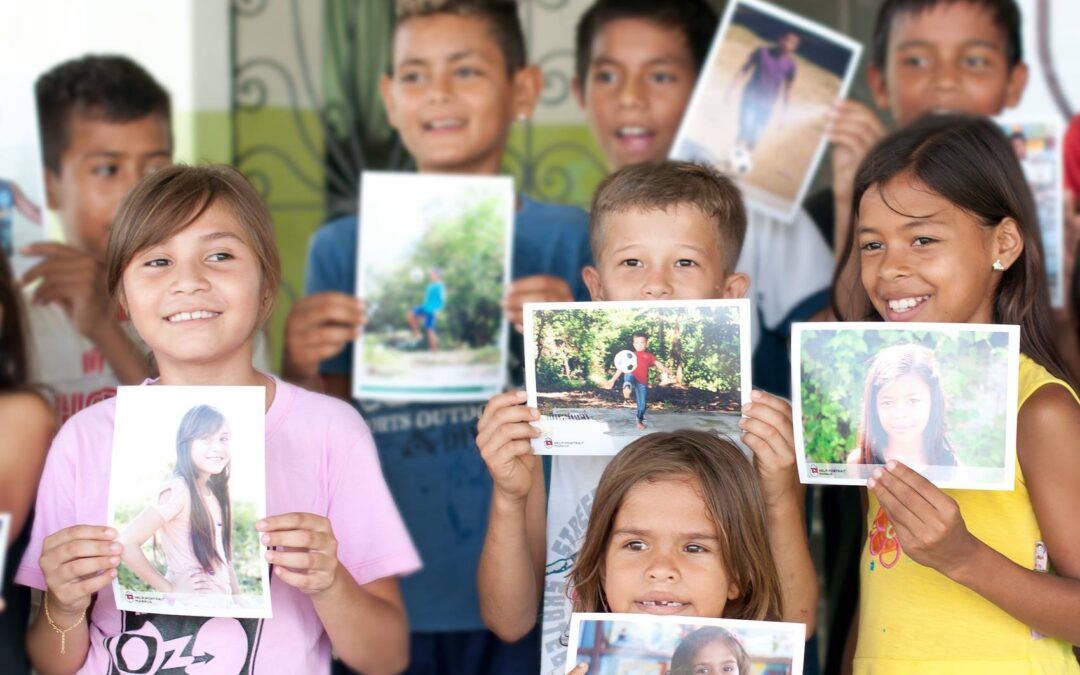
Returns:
(758,111)
(941,398)
(605,373)
(186,485)
(1038,147)
(641,644)
(22,189)
(434,264)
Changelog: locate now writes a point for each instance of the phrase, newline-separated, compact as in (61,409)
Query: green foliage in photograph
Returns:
(834,368)
(468,244)
(246,548)
(576,349)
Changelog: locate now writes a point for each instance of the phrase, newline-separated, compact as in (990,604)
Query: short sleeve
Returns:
(331,266)
(171,499)
(372,540)
(55,508)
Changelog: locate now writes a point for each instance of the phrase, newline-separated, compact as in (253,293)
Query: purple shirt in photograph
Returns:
(772,68)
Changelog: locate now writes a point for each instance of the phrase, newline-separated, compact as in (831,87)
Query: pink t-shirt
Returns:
(320,459)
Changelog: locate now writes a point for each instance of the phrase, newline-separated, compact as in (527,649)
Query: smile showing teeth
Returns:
(190,316)
(902,305)
(632,132)
(438,125)
(662,603)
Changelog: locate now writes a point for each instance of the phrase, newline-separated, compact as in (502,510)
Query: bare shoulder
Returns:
(1048,424)
(1051,404)
(27,410)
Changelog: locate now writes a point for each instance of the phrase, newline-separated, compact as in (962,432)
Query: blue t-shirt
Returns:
(428,451)
(434,297)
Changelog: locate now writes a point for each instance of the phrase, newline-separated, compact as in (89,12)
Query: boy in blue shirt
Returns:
(459,81)
(434,301)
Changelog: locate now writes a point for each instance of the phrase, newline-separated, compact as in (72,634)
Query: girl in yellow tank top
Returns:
(944,230)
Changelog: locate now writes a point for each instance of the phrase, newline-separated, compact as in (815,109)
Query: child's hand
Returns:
(318,327)
(503,435)
(309,559)
(579,669)
(927,521)
(537,288)
(77,562)
(769,432)
(853,129)
(73,279)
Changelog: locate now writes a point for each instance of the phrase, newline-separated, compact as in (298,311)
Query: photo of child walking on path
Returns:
(634,367)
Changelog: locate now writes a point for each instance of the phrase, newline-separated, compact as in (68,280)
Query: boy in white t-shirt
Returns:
(104,124)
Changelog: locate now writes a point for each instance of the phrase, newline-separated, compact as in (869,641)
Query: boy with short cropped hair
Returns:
(459,80)
(637,62)
(660,231)
(104,124)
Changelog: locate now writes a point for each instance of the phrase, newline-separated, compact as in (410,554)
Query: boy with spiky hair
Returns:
(459,80)
(104,124)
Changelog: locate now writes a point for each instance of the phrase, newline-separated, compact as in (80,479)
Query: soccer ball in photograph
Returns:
(626,361)
(416,274)
(738,161)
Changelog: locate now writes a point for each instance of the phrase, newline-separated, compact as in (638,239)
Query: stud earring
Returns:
(997,266)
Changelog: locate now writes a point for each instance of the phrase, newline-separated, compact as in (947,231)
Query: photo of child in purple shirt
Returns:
(770,71)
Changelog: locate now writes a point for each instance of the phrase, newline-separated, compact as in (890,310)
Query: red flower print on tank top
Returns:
(883,541)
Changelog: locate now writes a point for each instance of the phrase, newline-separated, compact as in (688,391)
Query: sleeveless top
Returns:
(913,619)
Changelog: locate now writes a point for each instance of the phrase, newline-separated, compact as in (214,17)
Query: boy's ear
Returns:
(52,189)
(528,83)
(385,91)
(591,276)
(878,90)
(1008,242)
(735,286)
(1014,88)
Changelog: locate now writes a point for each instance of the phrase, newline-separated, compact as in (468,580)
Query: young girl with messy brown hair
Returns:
(678,527)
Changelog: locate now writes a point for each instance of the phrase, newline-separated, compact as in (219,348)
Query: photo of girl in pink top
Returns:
(192,514)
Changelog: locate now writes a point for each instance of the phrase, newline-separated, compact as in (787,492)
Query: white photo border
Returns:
(416,391)
(530,308)
(797,631)
(1013,334)
(699,97)
(213,395)
(5,527)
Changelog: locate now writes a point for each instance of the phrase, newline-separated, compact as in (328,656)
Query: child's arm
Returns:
(76,281)
(29,424)
(853,129)
(537,288)
(931,528)
(770,434)
(318,327)
(611,383)
(77,562)
(510,576)
(132,538)
(366,624)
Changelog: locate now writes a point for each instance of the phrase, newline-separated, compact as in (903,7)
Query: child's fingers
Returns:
(514,416)
(500,401)
(504,435)
(309,582)
(74,595)
(301,560)
(893,498)
(308,540)
(293,521)
(85,568)
(579,669)
(768,444)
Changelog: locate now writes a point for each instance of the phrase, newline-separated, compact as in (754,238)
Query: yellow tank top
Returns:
(913,619)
